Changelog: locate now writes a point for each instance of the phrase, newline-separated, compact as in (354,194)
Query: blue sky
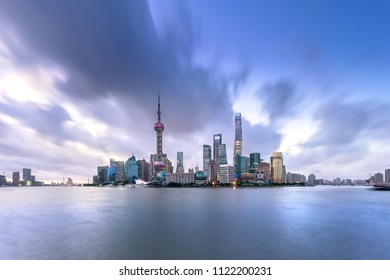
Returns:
(79,83)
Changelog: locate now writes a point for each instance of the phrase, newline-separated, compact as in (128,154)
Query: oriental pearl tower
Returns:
(159,128)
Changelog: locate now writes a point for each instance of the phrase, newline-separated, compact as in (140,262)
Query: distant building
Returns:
(217,140)
(227,173)
(131,169)
(244,164)
(143,170)
(3,180)
(222,158)
(180,164)
(102,173)
(378,178)
(277,167)
(294,178)
(213,176)
(264,171)
(95,179)
(254,160)
(15,178)
(237,153)
(311,179)
(69,182)
(387,175)
(27,176)
(206,157)
(120,170)
(180,178)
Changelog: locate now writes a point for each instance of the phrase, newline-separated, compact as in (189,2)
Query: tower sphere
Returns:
(158,126)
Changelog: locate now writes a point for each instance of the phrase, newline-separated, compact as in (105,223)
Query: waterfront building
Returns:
(254,160)
(180,165)
(95,179)
(180,178)
(102,173)
(337,181)
(217,140)
(387,175)
(143,170)
(200,177)
(158,164)
(120,170)
(131,169)
(311,180)
(264,171)
(3,180)
(206,157)
(244,164)
(277,168)
(26,175)
(378,178)
(249,177)
(294,178)
(222,158)
(227,173)
(15,178)
(213,172)
(237,143)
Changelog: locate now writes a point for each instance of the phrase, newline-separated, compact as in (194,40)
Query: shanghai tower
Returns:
(237,144)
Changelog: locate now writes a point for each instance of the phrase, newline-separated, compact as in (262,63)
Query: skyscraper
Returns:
(206,157)
(254,160)
(131,169)
(143,170)
(15,178)
(237,143)
(180,165)
(387,175)
(221,151)
(277,167)
(159,128)
(26,175)
(217,140)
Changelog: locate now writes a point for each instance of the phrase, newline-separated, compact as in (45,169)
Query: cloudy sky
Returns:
(79,83)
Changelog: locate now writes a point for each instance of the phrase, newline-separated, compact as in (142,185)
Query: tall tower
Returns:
(237,144)
(206,157)
(180,164)
(159,128)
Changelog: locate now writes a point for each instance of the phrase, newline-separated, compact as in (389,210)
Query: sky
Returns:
(79,82)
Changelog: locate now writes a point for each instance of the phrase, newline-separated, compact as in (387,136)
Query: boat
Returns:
(382,186)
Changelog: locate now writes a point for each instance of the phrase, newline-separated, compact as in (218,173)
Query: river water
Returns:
(322,222)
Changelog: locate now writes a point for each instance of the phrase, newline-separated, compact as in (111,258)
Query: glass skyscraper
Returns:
(237,143)
(254,160)
(206,157)
(217,140)
(180,166)
(277,173)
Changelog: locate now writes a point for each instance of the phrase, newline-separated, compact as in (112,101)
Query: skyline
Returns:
(79,80)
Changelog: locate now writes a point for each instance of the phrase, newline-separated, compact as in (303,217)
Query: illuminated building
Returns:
(277,175)
(237,144)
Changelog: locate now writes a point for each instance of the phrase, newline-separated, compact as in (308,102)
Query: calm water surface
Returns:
(148,223)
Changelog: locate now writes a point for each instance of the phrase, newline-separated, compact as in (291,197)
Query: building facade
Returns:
(180,164)
(237,153)
(387,175)
(277,175)
(254,160)
(15,178)
(180,178)
(206,157)
(227,173)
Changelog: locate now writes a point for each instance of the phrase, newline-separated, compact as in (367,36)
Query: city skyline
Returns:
(310,81)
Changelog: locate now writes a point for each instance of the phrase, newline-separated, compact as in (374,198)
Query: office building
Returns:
(277,169)
(217,140)
(206,157)
(26,175)
(378,178)
(311,180)
(15,178)
(143,170)
(180,165)
(227,173)
(102,173)
(180,178)
(264,171)
(213,172)
(254,160)
(131,169)
(237,143)
(222,158)
(387,175)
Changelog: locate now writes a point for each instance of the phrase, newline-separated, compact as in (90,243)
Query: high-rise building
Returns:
(15,178)
(102,173)
(180,165)
(387,175)
(221,151)
(311,179)
(26,175)
(254,160)
(217,140)
(277,175)
(244,164)
(131,169)
(143,170)
(213,175)
(206,157)
(120,170)
(378,178)
(264,171)
(227,173)
(237,143)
